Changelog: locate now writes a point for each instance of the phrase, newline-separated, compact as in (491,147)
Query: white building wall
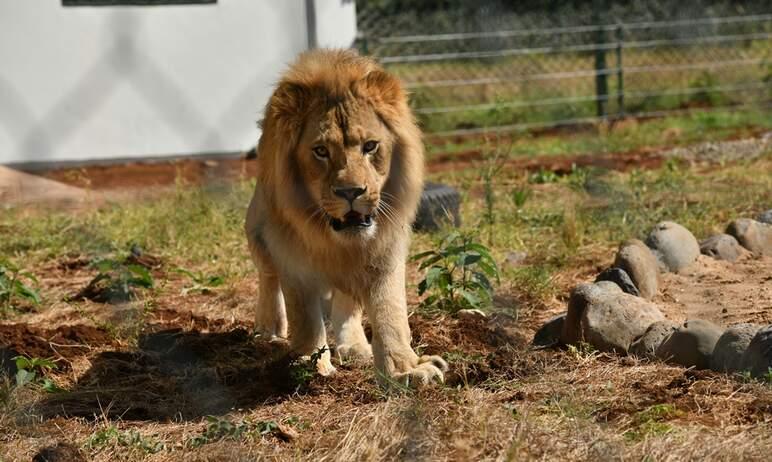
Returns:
(86,83)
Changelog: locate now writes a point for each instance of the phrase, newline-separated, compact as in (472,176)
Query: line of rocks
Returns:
(615,313)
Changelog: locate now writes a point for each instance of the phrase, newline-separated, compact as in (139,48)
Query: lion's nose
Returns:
(349,193)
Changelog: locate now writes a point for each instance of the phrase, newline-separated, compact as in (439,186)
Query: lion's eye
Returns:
(370,147)
(321,152)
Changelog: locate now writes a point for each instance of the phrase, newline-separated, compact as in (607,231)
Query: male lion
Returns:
(340,173)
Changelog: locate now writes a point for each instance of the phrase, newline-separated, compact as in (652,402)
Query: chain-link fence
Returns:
(484,66)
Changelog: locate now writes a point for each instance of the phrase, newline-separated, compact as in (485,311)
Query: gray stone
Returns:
(692,344)
(758,356)
(607,318)
(646,345)
(721,247)
(765,217)
(636,259)
(730,348)
(619,277)
(753,235)
(674,246)
(549,334)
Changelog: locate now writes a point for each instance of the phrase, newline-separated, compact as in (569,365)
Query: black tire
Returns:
(439,207)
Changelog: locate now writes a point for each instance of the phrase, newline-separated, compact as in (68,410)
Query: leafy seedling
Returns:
(458,274)
(33,371)
(15,285)
(116,281)
(201,283)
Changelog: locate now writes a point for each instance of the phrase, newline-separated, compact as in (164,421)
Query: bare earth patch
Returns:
(720,291)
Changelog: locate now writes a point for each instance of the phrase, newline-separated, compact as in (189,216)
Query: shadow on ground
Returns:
(176,374)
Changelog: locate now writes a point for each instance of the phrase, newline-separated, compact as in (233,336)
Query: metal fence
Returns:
(480,79)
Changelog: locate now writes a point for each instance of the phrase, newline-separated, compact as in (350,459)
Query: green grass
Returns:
(671,131)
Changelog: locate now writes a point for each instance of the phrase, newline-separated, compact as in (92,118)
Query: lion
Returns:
(340,174)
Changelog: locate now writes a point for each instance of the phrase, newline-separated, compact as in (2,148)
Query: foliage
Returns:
(458,274)
(543,176)
(33,371)
(652,422)
(14,284)
(111,436)
(218,429)
(116,281)
(202,283)
(520,196)
(302,371)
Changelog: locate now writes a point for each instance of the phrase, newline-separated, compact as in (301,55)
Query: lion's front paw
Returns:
(429,369)
(353,352)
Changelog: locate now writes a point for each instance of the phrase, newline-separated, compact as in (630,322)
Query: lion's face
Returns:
(344,155)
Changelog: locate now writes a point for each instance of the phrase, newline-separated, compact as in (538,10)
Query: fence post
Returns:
(620,73)
(601,73)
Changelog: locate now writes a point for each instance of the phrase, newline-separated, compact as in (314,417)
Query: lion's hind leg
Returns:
(346,320)
(270,312)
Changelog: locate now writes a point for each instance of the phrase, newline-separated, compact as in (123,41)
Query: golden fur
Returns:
(321,123)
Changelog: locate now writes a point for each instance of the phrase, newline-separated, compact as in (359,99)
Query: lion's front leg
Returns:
(393,356)
(346,319)
(307,334)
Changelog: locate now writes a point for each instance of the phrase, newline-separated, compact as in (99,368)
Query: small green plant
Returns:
(218,429)
(543,176)
(652,422)
(116,281)
(302,371)
(33,371)
(112,436)
(520,196)
(201,283)
(14,285)
(458,274)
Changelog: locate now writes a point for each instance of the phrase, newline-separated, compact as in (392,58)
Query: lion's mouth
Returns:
(351,219)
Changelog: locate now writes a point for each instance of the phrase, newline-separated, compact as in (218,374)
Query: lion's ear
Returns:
(382,87)
(289,102)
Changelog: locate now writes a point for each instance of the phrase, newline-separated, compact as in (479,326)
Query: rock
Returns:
(548,335)
(607,318)
(60,452)
(470,314)
(674,246)
(691,344)
(758,356)
(753,235)
(721,247)
(730,348)
(636,259)
(619,277)
(7,364)
(646,345)
(765,217)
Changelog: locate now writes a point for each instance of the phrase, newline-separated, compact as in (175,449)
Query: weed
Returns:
(14,285)
(112,436)
(458,274)
(33,371)
(218,429)
(302,371)
(520,196)
(202,283)
(543,176)
(116,281)
(651,422)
